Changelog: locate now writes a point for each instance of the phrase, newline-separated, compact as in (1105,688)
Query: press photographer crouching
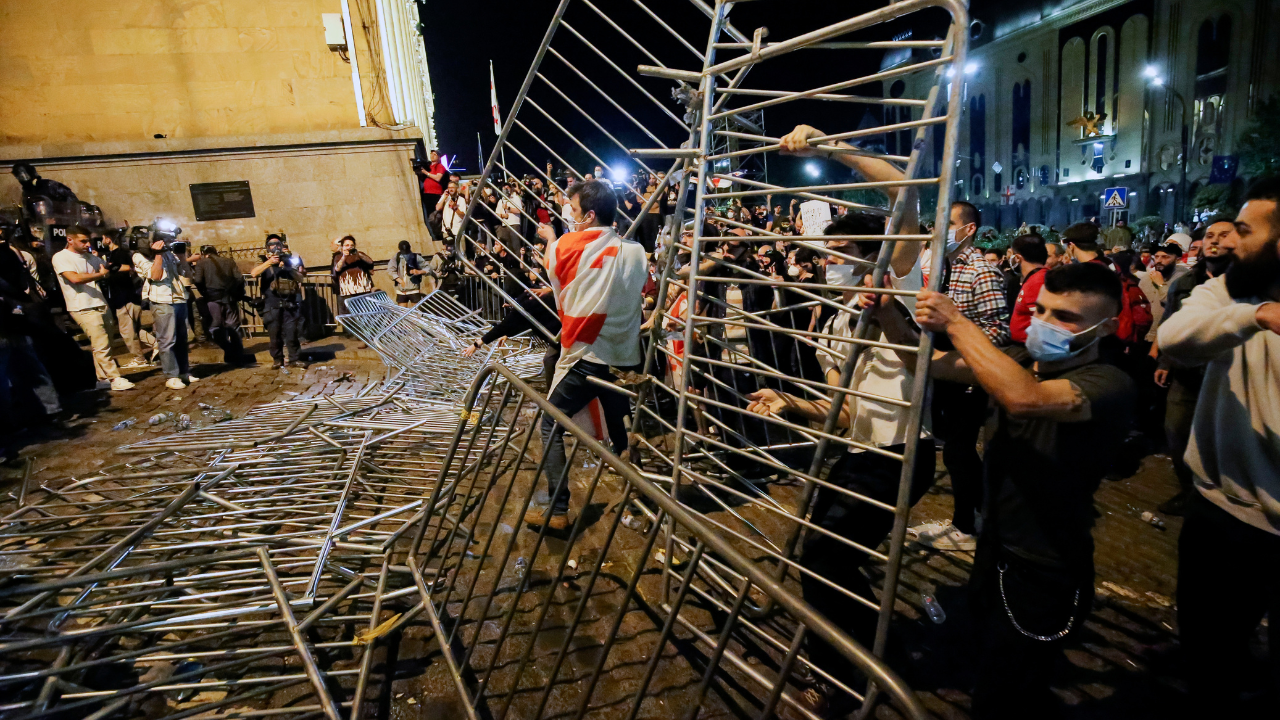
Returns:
(280,280)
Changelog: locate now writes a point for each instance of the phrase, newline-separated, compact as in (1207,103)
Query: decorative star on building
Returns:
(1089,123)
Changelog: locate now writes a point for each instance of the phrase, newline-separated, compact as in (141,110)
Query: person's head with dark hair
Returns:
(1164,259)
(593,204)
(1076,307)
(208,251)
(1028,252)
(404,247)
(1081,240)
(963,225)
(78,239)
(1123,261)
(434,155)
(1255,271)
(856,223)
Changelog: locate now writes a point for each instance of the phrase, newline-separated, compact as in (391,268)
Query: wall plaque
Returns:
(222,201)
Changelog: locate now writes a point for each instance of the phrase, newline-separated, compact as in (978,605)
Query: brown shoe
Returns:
(536,517)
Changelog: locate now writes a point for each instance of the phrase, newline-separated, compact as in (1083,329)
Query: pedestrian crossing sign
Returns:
(1116,198)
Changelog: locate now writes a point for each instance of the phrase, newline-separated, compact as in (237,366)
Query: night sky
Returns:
(462,37)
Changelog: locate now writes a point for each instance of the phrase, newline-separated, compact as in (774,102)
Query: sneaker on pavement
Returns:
(538,516)
(297,364)
(276,365)
(174,383)
(121,384)
(191,379)
(135,363)
(942,536)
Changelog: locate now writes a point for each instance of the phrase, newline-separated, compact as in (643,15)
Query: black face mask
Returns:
(1255,277)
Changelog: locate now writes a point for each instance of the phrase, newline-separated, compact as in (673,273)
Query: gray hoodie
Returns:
(1235,437)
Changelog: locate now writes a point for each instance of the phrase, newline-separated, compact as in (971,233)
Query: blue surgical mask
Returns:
(1047,342)
(952,242)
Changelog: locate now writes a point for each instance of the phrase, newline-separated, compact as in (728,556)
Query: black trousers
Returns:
(1180,410)
(224,329)
(571,395)
(1014,670)
(647,232)
(959,412)
(284,326)
(877,477)
(1227,581)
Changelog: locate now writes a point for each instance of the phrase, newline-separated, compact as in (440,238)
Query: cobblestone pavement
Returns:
(1122,666)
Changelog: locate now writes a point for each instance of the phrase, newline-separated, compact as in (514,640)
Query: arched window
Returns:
(1021,109)
(978,136)
(1100,96)
(1213,52)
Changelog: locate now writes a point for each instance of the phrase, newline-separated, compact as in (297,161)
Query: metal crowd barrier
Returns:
(638,607)
(761,479)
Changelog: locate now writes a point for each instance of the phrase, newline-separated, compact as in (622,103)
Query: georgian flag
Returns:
(493,101)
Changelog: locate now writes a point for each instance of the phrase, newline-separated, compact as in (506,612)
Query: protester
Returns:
(1231,537)
(408,270)
(960,409)
(222,285)
(1029,257)
(510,211)
(1156,281)
(453,208)
(280,286)
(1182,384)
(593,273)
(78,274)
(162,288)
(1056,255)
(1061,413)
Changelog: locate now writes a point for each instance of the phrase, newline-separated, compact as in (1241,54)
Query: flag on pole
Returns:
(493,101)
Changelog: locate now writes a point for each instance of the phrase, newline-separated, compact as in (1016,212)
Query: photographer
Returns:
(122,298)
(407,270)
(452,208)
(163,288)
(352,270)
(78,273)
(433,175)
(280,282)
(510,209)
(220,282)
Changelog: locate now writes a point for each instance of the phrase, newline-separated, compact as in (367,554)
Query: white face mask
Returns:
(793,271)
(847,276)
(952,242)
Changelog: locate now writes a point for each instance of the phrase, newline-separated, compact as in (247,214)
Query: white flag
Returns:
(493,101)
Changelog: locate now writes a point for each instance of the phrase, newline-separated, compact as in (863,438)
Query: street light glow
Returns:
(970,68)
(618,174)
(1157,81)
(812,169)
(1151,71)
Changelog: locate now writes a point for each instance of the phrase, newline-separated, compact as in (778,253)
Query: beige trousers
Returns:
(94,323)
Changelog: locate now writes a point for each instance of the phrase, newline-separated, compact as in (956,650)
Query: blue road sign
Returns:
(1116,198)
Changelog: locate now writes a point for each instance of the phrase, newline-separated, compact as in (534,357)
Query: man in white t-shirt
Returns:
(163,272)
(78,274)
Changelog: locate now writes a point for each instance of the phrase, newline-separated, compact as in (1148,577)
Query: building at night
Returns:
(229,118)
(1066,99)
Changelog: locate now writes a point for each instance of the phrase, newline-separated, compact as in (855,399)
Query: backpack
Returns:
(1140,315)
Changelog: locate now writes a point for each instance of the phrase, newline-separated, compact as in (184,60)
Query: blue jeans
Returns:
(171,337)
(22,371)
(571,395)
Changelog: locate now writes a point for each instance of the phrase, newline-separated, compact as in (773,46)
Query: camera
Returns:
(166,231)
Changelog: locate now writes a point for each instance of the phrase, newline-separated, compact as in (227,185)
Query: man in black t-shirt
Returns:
(124,301)
(1061,412)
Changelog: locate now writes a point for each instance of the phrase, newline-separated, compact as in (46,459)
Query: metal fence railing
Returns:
(638,588)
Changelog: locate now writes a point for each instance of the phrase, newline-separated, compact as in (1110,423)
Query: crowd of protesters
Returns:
(1059,362)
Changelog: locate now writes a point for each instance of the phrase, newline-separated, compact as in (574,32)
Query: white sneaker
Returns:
(174,383)
(942,536)
(135,364)
(121,384)
(191,379)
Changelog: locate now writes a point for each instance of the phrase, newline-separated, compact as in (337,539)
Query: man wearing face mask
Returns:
(1227,552)
(1061,412)
(959,409)
(1183,383)
(596,278)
